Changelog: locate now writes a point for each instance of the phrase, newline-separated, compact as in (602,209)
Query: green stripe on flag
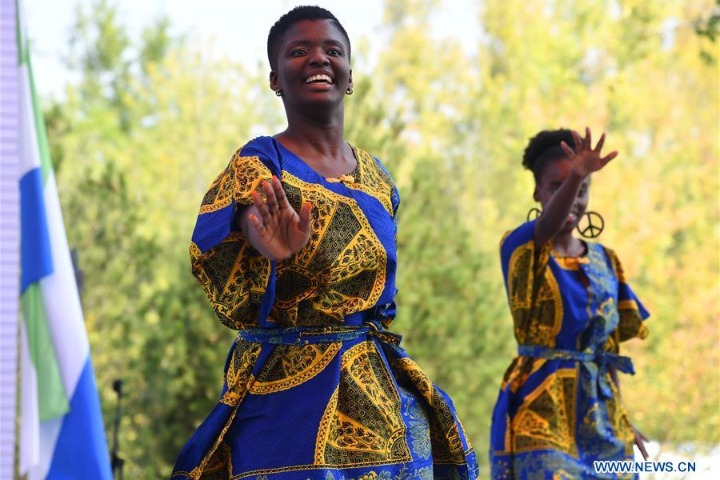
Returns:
(40,130)
(51,392)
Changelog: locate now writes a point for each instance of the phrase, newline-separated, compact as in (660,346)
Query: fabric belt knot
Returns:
(602,359)
(349,330)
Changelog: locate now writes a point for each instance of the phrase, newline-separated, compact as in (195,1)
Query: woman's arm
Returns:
(640,439)
(556,211)
(585,161)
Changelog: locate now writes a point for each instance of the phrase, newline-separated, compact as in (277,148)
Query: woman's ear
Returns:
(536,194)
(273,81)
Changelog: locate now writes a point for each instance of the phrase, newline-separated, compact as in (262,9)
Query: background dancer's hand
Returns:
(586,159)
(272,226)
(640,440)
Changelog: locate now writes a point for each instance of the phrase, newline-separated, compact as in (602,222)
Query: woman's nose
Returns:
(319,57)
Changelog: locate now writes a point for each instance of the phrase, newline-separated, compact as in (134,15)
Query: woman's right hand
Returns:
(272,226)
(586,159)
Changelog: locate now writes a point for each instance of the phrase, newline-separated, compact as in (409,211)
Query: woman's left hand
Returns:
(640,440)
(272,226)
(585,158)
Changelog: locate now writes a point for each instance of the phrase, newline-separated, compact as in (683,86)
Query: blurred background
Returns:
(145,102)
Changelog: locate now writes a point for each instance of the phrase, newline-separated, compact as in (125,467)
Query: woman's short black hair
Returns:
(544,148)
(297,14)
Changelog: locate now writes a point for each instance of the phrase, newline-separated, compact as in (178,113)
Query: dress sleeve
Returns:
(532,300)
(233,274)
(632,313)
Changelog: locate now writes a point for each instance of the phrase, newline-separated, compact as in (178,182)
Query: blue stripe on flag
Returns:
(35,252)
(81,449)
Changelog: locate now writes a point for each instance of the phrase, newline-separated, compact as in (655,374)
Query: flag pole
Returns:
(115,461)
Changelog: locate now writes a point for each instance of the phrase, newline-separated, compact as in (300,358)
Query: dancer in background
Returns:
(559,407)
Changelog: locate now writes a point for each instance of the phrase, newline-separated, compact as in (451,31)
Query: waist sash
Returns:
(602,359)
(365,323)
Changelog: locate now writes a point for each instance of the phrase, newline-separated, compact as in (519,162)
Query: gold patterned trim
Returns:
(547,416)
(374,181)
(627,305)
(366,248)
(534,296)
(362,421)
(242,176)
(313,360)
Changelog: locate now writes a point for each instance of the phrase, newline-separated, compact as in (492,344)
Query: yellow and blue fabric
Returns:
(558,409)
(315,387)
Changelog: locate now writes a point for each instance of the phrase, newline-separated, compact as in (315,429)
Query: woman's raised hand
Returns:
(274,227)
(587,159)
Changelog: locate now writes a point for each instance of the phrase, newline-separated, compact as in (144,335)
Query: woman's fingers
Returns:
(639,441)
(577,141)
(600,143)
(262,208)
(568,151)
(270,197)
(276,222)
(610,156)
(304,222)
(280,196)
(257,224)
(268,206)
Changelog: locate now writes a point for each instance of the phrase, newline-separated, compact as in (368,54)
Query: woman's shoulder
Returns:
(373,166)
(519,241)
(601,248)
(262,146)
(363,155)
(520,235)
(259,152)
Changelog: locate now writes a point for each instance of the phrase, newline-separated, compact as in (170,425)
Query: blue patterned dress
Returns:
(558,410)
(315,386)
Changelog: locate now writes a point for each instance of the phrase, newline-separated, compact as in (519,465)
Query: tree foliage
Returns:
(151,121)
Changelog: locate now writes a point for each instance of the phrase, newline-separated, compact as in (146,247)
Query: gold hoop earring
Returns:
(533,213)
(349,91)
(278,92)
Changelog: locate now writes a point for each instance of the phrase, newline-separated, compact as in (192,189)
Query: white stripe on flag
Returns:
(61,297)
(29,428)
(29,145)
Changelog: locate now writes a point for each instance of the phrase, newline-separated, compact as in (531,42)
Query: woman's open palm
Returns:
(279,231)
(585,158)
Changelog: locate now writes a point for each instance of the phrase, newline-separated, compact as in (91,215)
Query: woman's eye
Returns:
(297,52)
(334,52)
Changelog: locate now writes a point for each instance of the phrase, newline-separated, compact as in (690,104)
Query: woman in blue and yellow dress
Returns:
(295,245)
(559,409)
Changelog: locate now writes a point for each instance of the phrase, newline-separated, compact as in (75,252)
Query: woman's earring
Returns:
(593,225)
(278,92)
(349,91)
(533,213)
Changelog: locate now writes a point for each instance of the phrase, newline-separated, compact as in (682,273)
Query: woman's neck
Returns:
(322,148)
(566,245)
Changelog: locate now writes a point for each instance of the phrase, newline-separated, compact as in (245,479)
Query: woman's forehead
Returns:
(313,29)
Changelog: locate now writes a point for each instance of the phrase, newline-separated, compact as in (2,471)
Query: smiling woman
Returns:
(295,246)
